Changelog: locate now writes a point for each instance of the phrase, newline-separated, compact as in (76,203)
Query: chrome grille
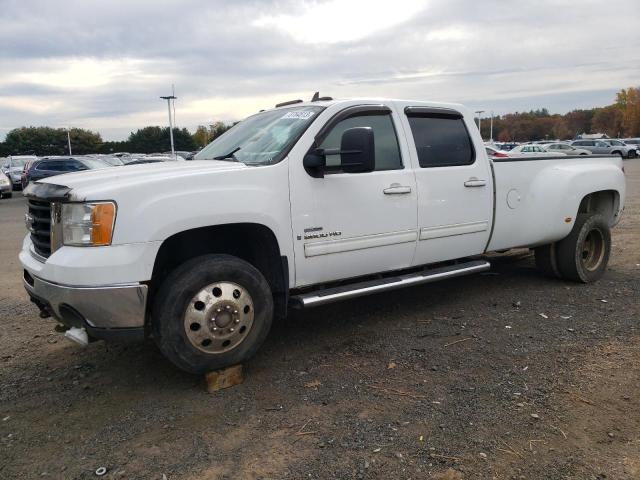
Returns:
(39,224)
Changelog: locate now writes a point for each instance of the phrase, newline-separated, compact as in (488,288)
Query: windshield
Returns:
(261,139)
(18,162)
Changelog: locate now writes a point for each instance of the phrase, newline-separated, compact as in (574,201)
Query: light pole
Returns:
(480,112)
(491,129)
(168,98)
(69,142)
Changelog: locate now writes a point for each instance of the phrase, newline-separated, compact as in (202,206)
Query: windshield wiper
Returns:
(228,156)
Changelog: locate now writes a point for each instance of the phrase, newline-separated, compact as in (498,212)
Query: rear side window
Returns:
(441,140)
(51,165)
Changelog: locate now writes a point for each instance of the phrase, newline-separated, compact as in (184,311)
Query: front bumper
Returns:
(107,312)
(6,189)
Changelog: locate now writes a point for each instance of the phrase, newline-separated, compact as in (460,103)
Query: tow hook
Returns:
(77,335)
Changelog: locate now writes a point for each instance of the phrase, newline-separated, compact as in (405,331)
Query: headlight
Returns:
(4,181)
(87,224)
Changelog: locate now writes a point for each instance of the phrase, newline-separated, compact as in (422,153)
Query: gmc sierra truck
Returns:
(297,206)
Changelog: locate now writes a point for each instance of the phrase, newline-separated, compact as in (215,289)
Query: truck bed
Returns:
(536,199)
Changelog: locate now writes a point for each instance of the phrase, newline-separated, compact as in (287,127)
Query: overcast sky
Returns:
(103,64)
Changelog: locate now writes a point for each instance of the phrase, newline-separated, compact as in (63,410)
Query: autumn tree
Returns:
(608,120)
(628,101)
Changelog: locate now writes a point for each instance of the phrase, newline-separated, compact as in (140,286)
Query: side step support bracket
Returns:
(359,289)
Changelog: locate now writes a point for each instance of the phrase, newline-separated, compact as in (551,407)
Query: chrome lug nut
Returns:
(231,329)
(237,320)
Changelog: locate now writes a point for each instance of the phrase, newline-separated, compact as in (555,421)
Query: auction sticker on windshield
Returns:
(300,114)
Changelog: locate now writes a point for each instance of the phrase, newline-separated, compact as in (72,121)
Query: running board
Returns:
(321,297)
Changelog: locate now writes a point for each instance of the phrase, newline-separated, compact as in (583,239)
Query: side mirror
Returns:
(357,150)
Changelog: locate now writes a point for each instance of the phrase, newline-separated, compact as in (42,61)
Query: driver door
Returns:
(351,224)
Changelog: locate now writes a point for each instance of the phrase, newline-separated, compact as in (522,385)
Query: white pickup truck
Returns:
(301,205)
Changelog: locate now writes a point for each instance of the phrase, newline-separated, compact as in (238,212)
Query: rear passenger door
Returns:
(454,182)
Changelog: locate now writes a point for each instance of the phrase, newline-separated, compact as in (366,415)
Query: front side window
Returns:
(441,140)
(262,139)
(387,150)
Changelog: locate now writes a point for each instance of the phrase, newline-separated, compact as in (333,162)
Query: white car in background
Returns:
(562,147)
(533,150)
(6,189)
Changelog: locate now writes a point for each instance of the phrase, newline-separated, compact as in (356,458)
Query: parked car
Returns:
(634,142)
(494,152)
(628,151)
(600,147)
(302,205)
(51,166)
(562,147)
(530,149)
(506,146)
(13,166)
(110,159)
(6,187)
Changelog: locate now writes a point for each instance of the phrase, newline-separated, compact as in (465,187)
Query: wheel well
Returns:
(605,202)
(616,152)
(251,242)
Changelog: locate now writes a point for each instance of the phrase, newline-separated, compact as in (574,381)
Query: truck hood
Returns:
(105,183)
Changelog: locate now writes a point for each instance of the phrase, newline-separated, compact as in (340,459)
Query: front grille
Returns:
(40,213)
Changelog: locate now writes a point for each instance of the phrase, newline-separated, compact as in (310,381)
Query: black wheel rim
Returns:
(593,250)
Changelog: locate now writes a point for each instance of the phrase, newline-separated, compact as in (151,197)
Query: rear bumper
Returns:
(107,312)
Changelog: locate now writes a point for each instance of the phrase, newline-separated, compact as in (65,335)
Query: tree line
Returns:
(44,141)
(620,119)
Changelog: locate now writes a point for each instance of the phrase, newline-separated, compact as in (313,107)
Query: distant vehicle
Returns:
(506,146)
(495,153)
(13,166)
(529,149)
(6,187)
(629,151)
(111,160)
(51,166)
(633,141)
(562,147)
(600,147)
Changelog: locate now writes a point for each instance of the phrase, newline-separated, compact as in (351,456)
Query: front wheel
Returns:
(212,312)
(583,255)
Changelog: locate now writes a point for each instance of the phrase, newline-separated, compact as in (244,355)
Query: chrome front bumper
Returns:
(106,307)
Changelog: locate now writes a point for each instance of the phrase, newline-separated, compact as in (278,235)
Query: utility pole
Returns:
(480,112)
(168,98)
(69,142)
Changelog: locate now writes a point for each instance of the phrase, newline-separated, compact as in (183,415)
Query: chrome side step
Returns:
(359,289)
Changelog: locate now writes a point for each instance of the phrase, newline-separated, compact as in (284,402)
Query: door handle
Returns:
(396,189)
(475,182)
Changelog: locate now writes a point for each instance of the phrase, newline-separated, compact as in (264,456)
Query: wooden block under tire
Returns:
(220,379)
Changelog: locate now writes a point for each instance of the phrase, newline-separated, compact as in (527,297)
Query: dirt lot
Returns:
(503,375)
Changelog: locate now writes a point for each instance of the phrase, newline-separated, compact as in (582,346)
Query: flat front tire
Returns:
(212,312)
(583,255)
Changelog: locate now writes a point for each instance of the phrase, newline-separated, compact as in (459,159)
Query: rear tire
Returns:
(212,312)
(583,255)
(546,260)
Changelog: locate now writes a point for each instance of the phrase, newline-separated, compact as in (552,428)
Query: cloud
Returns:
(103,65)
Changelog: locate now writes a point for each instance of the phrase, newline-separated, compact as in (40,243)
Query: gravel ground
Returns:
(502,375)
